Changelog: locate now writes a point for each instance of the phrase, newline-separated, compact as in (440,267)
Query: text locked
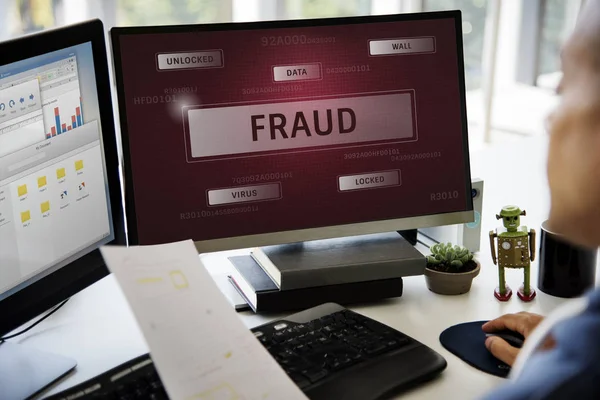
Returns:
(244,194)
(292,126)
(369,180)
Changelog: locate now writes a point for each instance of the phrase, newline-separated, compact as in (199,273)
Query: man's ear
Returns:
(523,213)
(498,216)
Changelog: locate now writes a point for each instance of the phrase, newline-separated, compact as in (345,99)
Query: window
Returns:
(553,25)
(326,8)
(27,16)
(557,22)
(166,12)
(473,14)
(523,43)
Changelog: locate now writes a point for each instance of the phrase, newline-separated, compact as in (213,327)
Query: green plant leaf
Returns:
(456,263)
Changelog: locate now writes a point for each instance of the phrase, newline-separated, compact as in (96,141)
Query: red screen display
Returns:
(248,131)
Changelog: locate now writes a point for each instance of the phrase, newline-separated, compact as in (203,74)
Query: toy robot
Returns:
(516,249)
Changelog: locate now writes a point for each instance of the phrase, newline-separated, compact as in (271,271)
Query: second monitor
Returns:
(240,135)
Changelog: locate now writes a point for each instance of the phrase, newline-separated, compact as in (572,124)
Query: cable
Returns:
(423,243)
(3,339)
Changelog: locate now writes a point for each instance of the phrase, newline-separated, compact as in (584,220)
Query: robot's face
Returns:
(511,222)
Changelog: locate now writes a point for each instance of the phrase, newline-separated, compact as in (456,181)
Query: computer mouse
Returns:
(513,338)
(467,341)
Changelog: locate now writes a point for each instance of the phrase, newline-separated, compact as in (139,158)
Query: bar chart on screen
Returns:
(62,123)
(62,106)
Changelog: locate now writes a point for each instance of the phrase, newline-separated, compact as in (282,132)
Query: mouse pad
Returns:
(467,341)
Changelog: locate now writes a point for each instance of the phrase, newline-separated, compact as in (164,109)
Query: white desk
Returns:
(97,328)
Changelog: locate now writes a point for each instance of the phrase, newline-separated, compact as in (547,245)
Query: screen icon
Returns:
(78,165)
(22,190)
(60,173)
(25,216)
(82,189)
(45,206)
(64,198)
(42,181)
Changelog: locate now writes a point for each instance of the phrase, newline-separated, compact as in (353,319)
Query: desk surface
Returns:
(97,328)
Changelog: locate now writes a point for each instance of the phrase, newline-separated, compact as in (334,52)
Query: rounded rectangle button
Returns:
(302,72)
(344,121)
(387,47)
(369,180)
(190,60)
(244,194)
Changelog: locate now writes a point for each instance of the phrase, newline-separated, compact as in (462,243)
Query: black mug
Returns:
(565,270)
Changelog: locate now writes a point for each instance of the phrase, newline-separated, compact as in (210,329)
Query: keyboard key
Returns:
(302,365)
(162,395)
(341,363)
(299,380)
(287,353)
(301,329)
(301,349)
(315,375)
(316,324)
(375,349)
(279,337)
(140,393)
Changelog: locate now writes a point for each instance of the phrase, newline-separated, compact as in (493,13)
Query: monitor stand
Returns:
(411,236)
(25,371)
(342,260)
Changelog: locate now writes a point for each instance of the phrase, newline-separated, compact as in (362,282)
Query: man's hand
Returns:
(523,323)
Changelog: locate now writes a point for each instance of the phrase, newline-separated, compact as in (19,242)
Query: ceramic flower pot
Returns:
(450,283)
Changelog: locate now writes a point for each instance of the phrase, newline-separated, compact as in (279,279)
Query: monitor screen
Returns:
(54,197)
(282,131)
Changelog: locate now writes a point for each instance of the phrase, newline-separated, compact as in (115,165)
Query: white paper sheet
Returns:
(200,347)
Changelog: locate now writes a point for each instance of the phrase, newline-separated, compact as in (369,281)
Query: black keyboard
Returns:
(328,351)
(134,379)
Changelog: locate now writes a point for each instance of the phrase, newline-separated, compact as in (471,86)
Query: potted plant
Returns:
(450,269)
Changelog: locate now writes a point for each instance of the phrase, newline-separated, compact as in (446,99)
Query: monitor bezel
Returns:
(50,290)
(299,234)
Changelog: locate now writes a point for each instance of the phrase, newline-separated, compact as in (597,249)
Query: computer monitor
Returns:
(60,196)
(246,134)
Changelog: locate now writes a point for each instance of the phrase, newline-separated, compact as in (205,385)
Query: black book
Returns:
(263,295)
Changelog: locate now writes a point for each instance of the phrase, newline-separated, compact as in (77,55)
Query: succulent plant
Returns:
(452,257)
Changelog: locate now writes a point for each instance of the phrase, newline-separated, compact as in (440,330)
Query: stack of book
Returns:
(345,271)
